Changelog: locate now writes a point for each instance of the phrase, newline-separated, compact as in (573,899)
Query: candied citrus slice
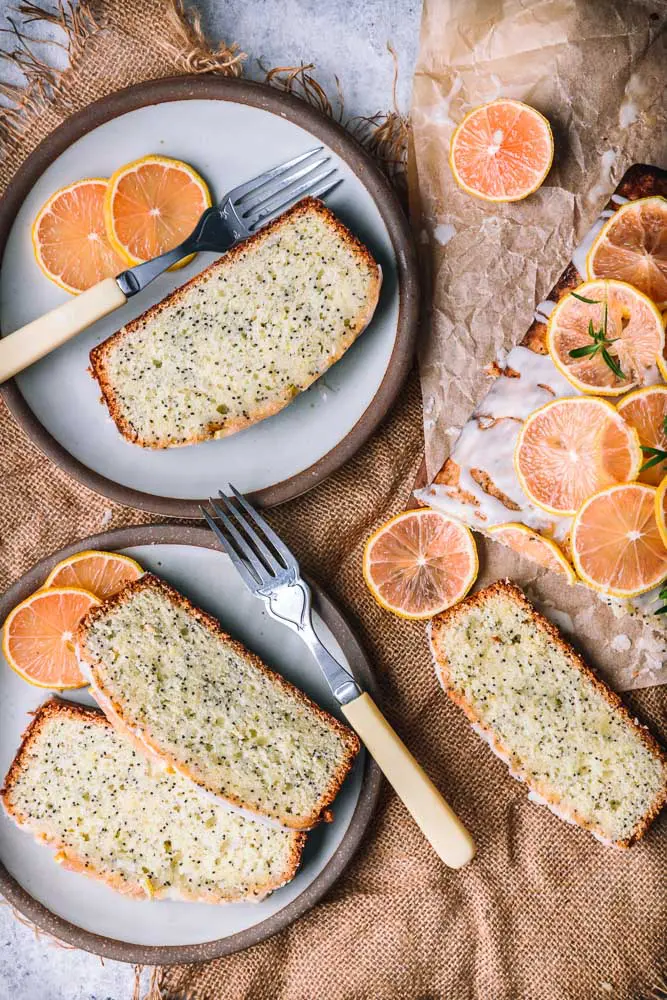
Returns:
(632,246)
(661,509)
(501,151)
(616,543)
(100,573)
(69,237)
(527,542)
(152,205)
(420,563)
(37,637)
(571,448)
(646,410)
(635,336)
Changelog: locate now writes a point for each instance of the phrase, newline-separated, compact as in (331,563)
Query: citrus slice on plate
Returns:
(37,637)
(100,573)
(571,448)
(646,410)
(605,336)
(527,542)
(616,543)
(661,509)
(632,246)
(152,205)
(501,151)
(69,237)
(420,563)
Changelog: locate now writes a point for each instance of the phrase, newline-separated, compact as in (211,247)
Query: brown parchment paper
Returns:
(596,69)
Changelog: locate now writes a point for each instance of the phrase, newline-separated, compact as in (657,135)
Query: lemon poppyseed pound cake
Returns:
(239,341)
(81,788)
(547,715)
(167,675)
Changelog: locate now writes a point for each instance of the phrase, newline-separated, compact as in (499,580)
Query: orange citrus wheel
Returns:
(420,563)
(632,246)
(69,237)
(100,573)
(37,637)
(527,542)
(634,324)
(616,544)
(661,510)
(501,151)
(151,206)
(646,410)
(571,448)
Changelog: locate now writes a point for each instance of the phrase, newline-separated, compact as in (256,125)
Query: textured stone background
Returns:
(348,39)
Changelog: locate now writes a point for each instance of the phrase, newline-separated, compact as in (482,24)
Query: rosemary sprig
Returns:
(663,597)
(600,340)
(657,455)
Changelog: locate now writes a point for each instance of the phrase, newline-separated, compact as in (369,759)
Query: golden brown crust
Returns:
(57,707)
(149,582)
(508,589)
(99,355)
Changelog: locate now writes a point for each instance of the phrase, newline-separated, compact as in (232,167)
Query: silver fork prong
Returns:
(243,547)
(273,539)
(244,189)
(246,574)
(324,189)
(269,191)
(291,195)
(273,563)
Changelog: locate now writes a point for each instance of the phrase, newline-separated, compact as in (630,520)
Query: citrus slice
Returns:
(100,573)
(69,237)
(661,510)
(634,337)
(151,206)
(501,151)
(571,448)
(632,246)
(527,542)
(419,563)
(37,637)
(646,410)
(616,544)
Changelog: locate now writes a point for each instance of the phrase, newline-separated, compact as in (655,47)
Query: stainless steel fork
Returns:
(270,571)
(239,214)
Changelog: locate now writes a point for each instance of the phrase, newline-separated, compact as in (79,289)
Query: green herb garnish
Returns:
(663,597)
(657,455)
(601,341)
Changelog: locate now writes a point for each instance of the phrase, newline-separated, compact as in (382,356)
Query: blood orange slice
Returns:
(541,550)
(100,573)
(420,563)
(37,637)
(632,246)
(571,448)
(646,410)
(616,543)
(501,151)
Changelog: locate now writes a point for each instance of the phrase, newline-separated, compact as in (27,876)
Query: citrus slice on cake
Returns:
(571,448)
(661,509)
(420,563)
(69,237)
(616,543)
(632,246)
(37,637)
(527,542)
(605,336)
(501,151)
(100,573)
(646,410)
(152,205)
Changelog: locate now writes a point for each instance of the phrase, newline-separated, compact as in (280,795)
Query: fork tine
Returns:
(272,537)
(245,573)
(247,552)
(301,190)
(269,558)
(325,189)
(269,191)
(244,189)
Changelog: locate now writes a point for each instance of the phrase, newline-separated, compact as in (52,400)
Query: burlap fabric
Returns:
(544,912)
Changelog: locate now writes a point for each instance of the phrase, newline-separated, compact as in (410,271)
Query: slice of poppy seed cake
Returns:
(167,675)
(240,340)
(548,716)
(81,788)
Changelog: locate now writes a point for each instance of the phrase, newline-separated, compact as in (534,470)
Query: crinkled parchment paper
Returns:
(596,69)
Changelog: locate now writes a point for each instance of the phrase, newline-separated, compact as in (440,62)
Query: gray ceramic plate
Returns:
(90,915)
(229,130)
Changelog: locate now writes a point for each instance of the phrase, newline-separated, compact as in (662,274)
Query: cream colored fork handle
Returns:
(440,825)
(30,343)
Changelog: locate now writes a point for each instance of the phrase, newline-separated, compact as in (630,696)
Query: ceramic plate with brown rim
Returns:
(230,131)
(90,915)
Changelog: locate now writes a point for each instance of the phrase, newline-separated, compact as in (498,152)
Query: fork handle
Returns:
(440,825)
(28,344)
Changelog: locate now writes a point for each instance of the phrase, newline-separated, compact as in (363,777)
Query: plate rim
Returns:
(49,922)
(333,134)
